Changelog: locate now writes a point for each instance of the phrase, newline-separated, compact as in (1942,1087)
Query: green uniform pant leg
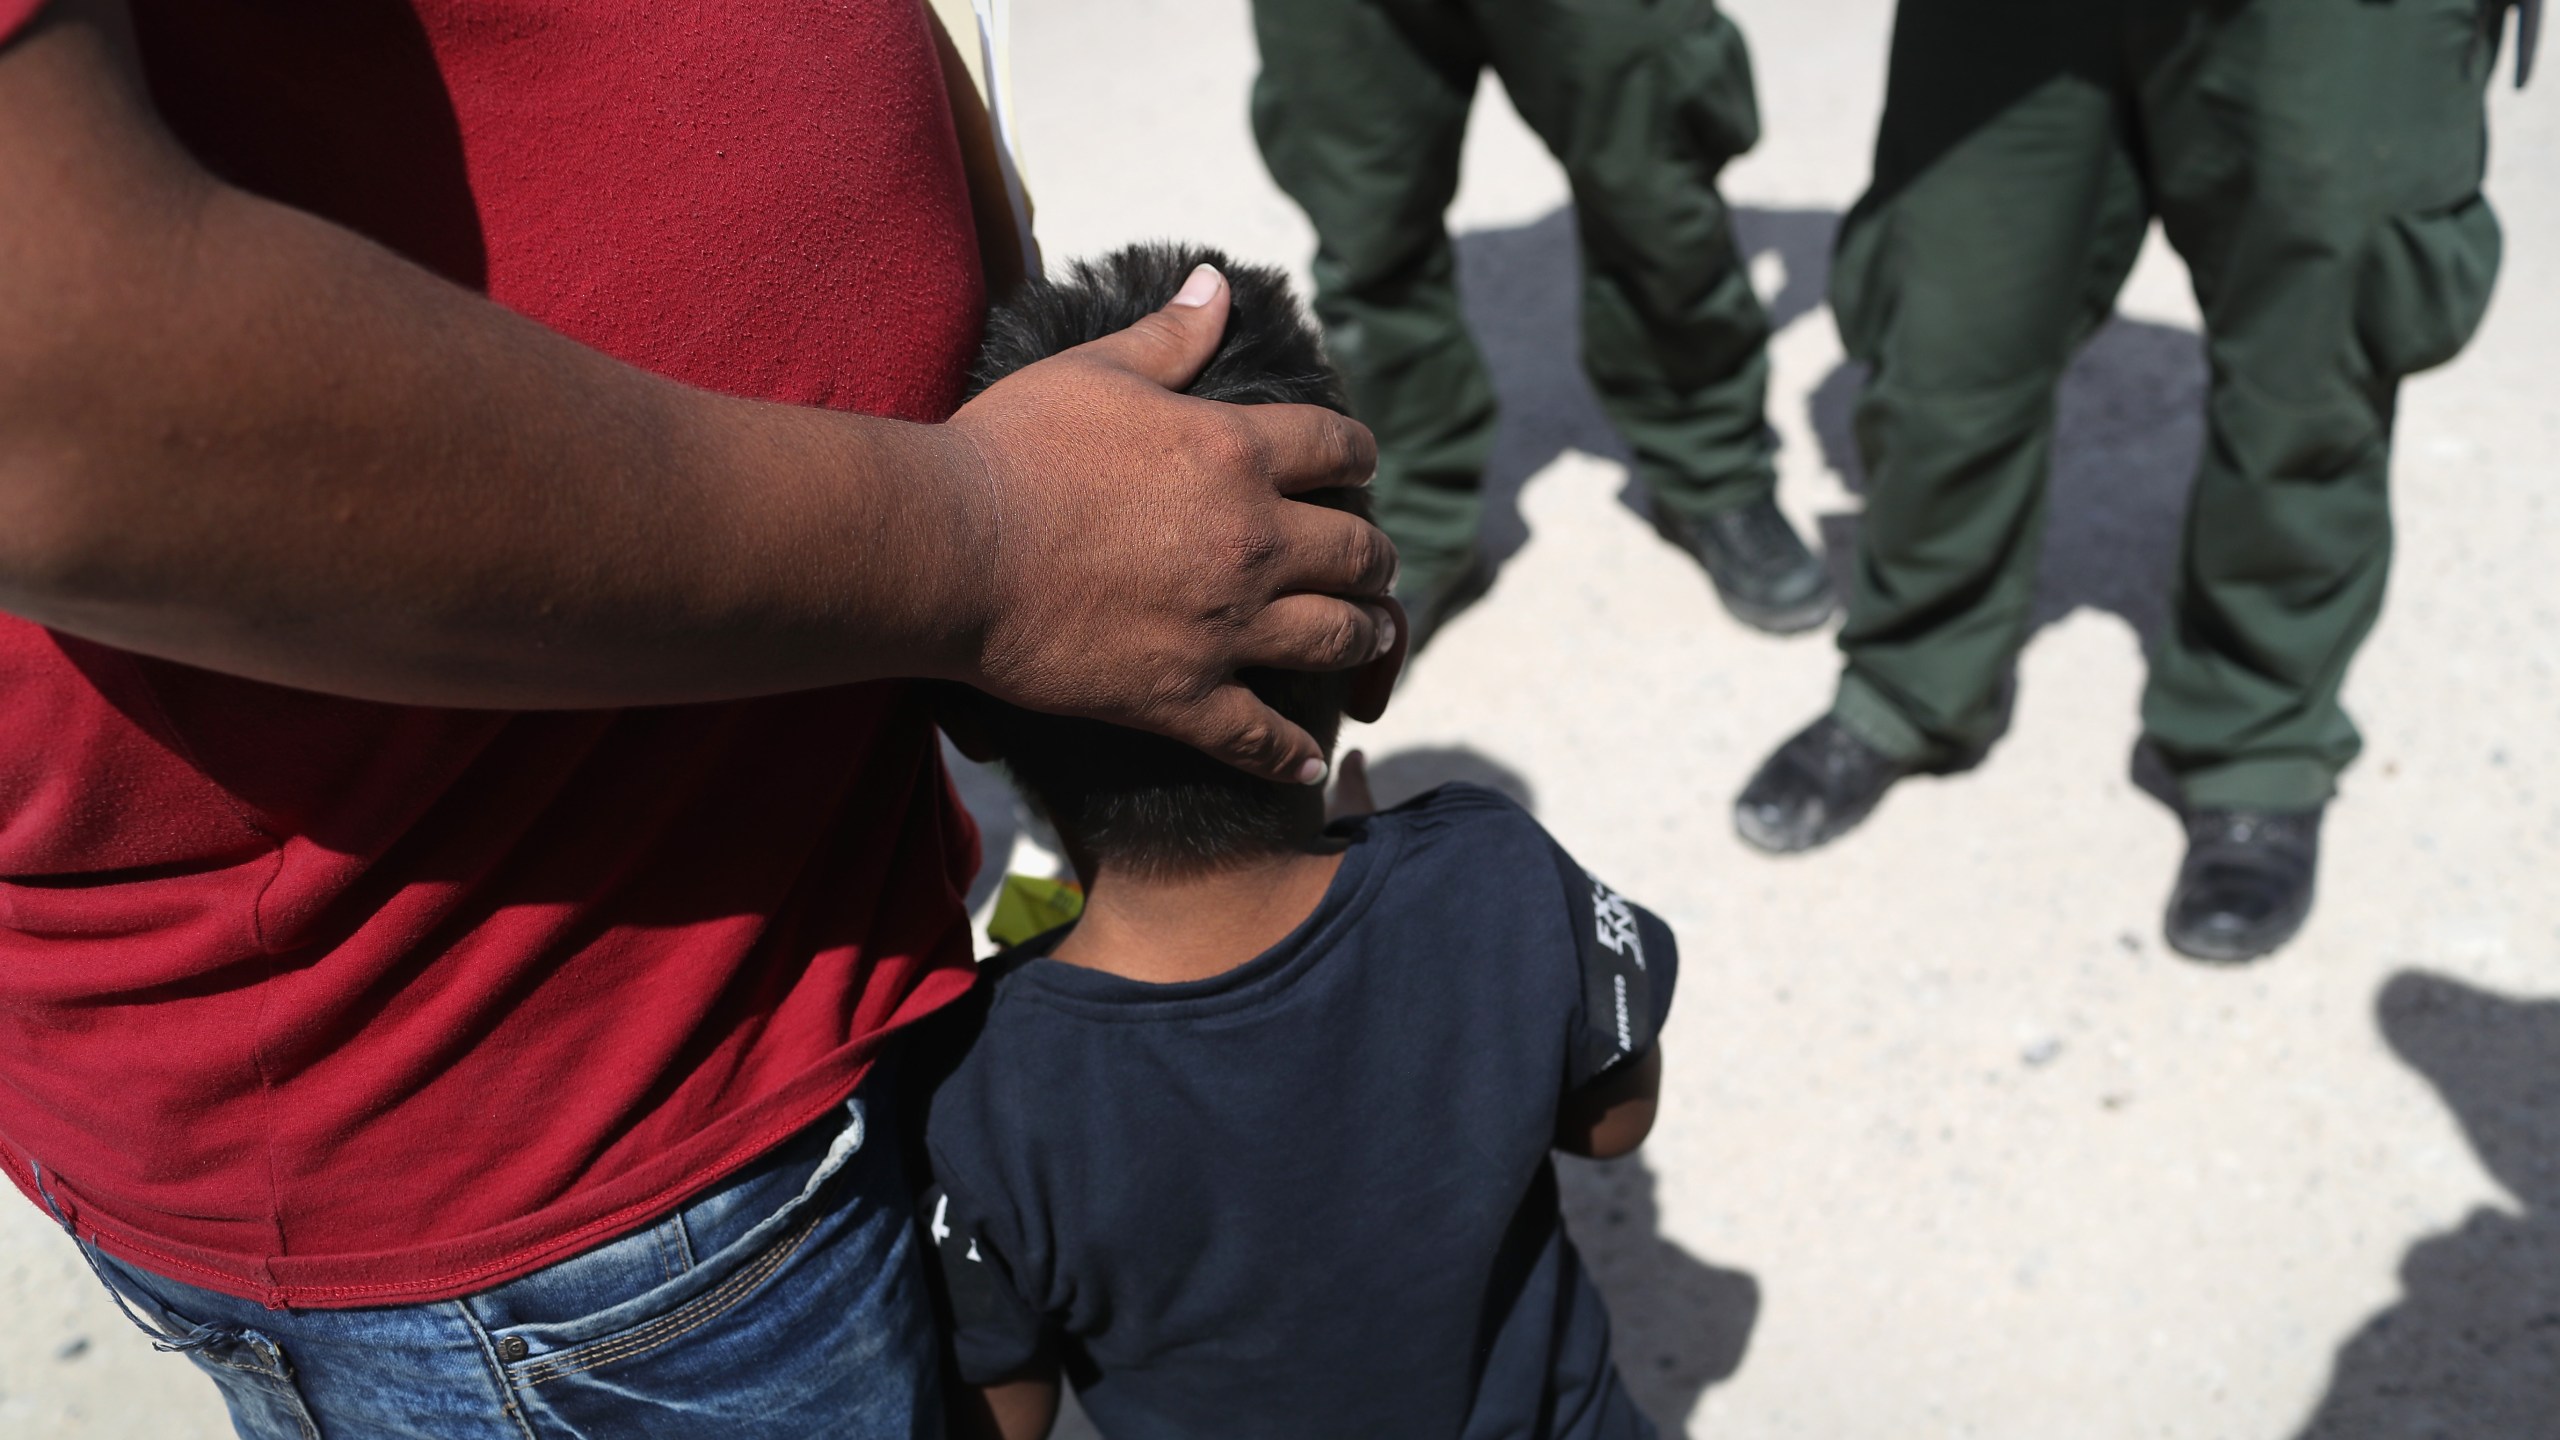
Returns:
(1360,109)
(1643,103)
(2004,214)
(2319,165)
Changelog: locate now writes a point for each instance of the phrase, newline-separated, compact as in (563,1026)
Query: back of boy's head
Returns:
(1124,796)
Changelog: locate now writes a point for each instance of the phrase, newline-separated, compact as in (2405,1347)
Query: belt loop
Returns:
(160,1339)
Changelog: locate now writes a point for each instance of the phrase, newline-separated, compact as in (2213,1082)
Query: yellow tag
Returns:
(1027,905)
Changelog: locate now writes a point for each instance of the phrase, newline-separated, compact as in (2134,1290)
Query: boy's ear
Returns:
(1372,684)
(957,711)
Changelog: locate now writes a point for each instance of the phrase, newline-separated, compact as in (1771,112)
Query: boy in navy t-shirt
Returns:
(1259,1146)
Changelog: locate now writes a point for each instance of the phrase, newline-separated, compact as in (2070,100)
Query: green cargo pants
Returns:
(2318,165)
(1360,108)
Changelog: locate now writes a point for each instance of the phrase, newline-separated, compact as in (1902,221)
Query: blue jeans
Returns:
(787,1302)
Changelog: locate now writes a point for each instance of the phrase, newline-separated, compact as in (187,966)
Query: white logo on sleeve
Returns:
(942,1227)
(1616,923)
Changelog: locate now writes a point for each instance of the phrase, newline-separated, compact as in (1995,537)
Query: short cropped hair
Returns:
(1122,795)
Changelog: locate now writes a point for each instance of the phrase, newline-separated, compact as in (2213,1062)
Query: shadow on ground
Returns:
(2129,424)
(2130,413)
(2472,1347)
(1681,1324)
(1397,777)
(1521,288)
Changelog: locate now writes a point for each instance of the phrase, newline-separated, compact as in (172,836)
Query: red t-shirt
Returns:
(329,1003)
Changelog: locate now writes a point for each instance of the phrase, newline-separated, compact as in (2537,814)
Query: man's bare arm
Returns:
(236,435)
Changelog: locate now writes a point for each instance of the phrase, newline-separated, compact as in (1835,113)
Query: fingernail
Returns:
(1201,288)
(1313,772)
(1386,631)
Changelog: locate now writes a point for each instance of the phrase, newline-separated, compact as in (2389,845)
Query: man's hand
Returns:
(235,435)
(1145,545)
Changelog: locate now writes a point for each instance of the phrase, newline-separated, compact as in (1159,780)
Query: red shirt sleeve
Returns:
(14,15)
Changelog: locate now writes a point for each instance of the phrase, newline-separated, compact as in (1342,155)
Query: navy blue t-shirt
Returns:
(1311,1197)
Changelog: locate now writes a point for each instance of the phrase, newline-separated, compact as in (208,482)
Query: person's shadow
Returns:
(1521,287)
(1681,1324)
(1396,776)
(2472,1347)
(2129,427)
(2129,423)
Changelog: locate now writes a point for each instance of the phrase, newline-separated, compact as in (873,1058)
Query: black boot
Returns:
(1761,568)
(1814,789)
(2245,887)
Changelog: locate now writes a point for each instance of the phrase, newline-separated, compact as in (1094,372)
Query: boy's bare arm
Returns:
(1022,1408)
(1611,1116)
(235,435)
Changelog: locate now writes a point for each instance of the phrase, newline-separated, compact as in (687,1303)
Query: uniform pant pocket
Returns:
(1859,295)
(1714,99)
(2425,284)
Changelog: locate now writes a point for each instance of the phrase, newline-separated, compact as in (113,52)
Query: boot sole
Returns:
(1783,620)
(1769,842)
(2241,950)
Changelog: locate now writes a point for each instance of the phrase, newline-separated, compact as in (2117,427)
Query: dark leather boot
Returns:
(1762,569)
(2245,887)
(1816,787)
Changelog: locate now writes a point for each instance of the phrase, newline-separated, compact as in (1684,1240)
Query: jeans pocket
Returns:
(620,1302)
(677,1310)
(256,1381)
(803,1313)
(250,1369)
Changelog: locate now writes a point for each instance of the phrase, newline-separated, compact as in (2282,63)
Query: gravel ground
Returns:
(1951,1146)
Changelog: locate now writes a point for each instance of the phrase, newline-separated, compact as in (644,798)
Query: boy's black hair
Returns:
(1123,795)
(1270,355)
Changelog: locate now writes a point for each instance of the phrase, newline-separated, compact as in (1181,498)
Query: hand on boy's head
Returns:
(1146,545)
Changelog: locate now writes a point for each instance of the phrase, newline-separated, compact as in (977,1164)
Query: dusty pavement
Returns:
(1951,1146)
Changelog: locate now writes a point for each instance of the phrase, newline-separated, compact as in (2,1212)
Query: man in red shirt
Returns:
(472,477)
